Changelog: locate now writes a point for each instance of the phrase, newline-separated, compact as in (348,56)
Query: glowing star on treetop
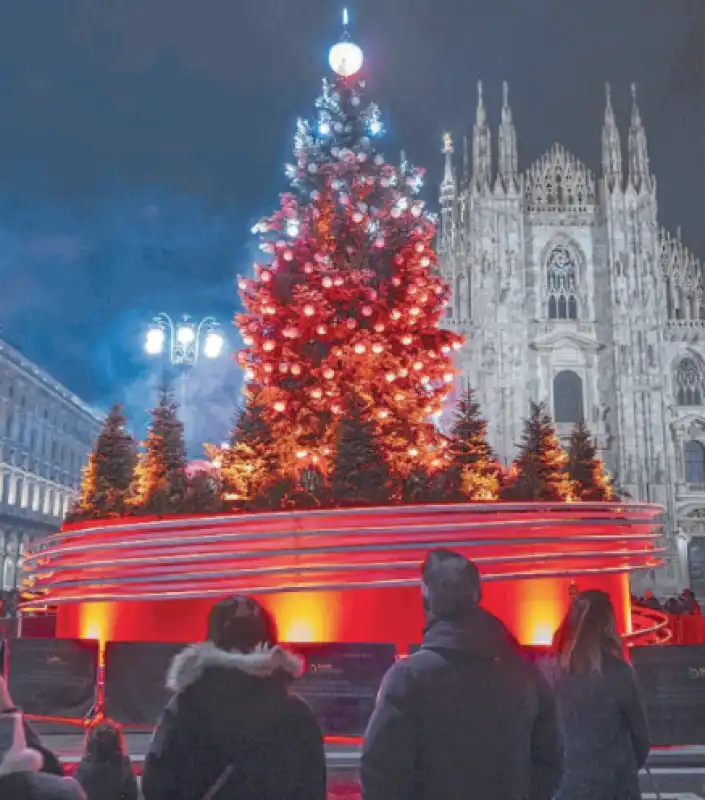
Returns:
(345,57)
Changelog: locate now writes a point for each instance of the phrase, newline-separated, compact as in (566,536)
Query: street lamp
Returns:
(184,341)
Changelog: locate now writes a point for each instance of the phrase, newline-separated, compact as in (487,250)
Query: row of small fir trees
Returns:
(121,480)
(360,476)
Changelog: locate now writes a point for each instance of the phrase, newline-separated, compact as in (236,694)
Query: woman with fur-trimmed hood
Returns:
(232,730)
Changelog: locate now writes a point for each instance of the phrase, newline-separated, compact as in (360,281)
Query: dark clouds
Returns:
(140,139)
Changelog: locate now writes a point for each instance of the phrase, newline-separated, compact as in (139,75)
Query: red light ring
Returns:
(295,551)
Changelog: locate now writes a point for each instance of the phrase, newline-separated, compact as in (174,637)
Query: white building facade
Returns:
(568,291)
(46,434)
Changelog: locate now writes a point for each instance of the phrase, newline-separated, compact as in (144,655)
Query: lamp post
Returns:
(184,342)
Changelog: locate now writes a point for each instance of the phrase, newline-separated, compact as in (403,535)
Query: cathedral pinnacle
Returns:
(507,153)
(449,174)
(639,170)
(611,145)
(481,146)
(481,117)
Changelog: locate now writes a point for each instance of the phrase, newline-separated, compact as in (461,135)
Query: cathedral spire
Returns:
(466,161)
(639,171)
(448,196)
(611,146)
(508,159)
(449,173)
(481,146)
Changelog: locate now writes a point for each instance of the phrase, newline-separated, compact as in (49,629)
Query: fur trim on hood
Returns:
(188,666)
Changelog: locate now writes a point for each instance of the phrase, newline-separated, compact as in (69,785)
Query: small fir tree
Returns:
(540,470)
(108,475)
(248,464)
(359,474)
(160,484)
(585,468)
(474,472)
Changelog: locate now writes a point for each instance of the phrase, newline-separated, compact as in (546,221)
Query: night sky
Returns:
(140,139)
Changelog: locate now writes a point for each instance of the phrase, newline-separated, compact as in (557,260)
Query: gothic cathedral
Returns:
(568,291)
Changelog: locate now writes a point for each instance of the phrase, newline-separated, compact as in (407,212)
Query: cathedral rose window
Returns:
(561,280)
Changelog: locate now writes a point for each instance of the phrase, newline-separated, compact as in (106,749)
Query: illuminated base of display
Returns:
(339,575)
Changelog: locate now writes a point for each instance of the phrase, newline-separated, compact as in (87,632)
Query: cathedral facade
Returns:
(568,291)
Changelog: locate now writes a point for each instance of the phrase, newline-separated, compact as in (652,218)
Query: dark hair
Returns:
(587,632)
(241,623)
(105,742)
(451,584)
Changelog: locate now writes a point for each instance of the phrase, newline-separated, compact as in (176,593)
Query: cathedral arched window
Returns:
(568,397)
(561,284)
(694,462)
(690,386)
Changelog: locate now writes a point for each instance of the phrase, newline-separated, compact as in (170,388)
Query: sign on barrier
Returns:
(672,681)
(341,683)
(531,653)
(135,673)
(52,677)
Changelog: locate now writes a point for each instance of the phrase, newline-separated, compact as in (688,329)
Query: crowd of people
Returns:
(683,604)
(466,715)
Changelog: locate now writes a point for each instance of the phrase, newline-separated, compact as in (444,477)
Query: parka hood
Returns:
(188,666)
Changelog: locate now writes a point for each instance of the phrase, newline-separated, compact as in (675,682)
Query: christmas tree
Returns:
(160,482)
(540,470)
(359,475)
(348,296)
(474,473)
(108,475)
(249,464)
(586,470)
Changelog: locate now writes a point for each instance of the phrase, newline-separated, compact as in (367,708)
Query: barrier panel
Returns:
(672,681)
(52,677)
(341,683)
(135,673)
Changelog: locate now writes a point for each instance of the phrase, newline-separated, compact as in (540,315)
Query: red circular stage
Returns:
(338,575)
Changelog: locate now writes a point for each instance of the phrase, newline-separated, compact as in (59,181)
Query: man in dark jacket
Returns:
(466,716)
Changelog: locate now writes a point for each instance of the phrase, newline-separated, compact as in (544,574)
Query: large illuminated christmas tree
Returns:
(348,298)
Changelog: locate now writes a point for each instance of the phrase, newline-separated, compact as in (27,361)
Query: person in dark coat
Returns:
(232,723)
(105,772)
(466,716)
(605,733)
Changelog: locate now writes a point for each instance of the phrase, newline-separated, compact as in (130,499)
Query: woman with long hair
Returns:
(232,728)
(605,734)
